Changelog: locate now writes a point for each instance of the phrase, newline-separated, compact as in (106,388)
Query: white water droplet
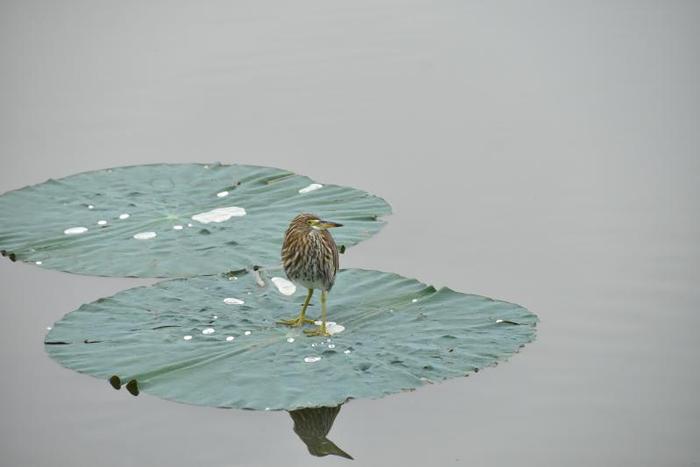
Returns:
(189,225)
(346,351)
(38,263)
(187,338)
(311,359)
(312,187)
(145,235)
(102,222)
(233,301)
(219,214)
(177,227)
(123,216)
(48,328)
(247,333)
(75,230)
(331,346)
(90,206)
(216,317)
(499,321)
(284,286)
(414,300)
(290,339)
(208,331)
(222,194)
(230,338)
(331,327)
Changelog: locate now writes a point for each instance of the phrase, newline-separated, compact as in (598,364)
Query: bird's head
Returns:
(312,221)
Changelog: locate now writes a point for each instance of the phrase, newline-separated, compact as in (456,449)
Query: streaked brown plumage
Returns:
(310,258)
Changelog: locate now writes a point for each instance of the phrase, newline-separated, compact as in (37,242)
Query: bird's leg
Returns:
(301,319)
(321,330)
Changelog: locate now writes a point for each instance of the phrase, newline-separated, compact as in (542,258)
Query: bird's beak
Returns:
(329,224)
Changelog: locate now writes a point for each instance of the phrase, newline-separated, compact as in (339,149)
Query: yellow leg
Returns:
(301,319)
(321,330)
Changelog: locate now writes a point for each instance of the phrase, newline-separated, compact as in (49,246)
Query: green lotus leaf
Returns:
(173,220)
(214,341)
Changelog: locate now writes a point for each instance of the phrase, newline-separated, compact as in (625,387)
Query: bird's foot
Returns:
(296,322)
(319,331)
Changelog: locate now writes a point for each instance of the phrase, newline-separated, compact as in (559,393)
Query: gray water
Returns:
(545,154)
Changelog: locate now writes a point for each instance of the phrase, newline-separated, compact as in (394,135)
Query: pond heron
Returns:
(310,259)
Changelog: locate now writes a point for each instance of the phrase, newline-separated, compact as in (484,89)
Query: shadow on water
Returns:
(312,427)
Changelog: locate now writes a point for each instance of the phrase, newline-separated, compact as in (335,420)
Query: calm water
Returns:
(542,154)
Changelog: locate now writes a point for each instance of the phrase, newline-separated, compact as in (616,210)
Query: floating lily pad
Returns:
(214,340)
(173,220)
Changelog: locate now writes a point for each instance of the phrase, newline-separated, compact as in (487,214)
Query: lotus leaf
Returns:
(214,340)
(173,220)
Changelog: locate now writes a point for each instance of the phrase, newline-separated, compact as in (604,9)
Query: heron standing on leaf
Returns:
(310,258)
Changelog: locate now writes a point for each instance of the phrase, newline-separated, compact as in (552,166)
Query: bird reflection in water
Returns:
(312,426)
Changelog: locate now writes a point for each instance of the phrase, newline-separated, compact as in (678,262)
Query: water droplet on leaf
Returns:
(75,230)
(145,235)
(312,187)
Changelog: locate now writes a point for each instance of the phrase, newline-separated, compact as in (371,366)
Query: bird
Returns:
(310,259)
